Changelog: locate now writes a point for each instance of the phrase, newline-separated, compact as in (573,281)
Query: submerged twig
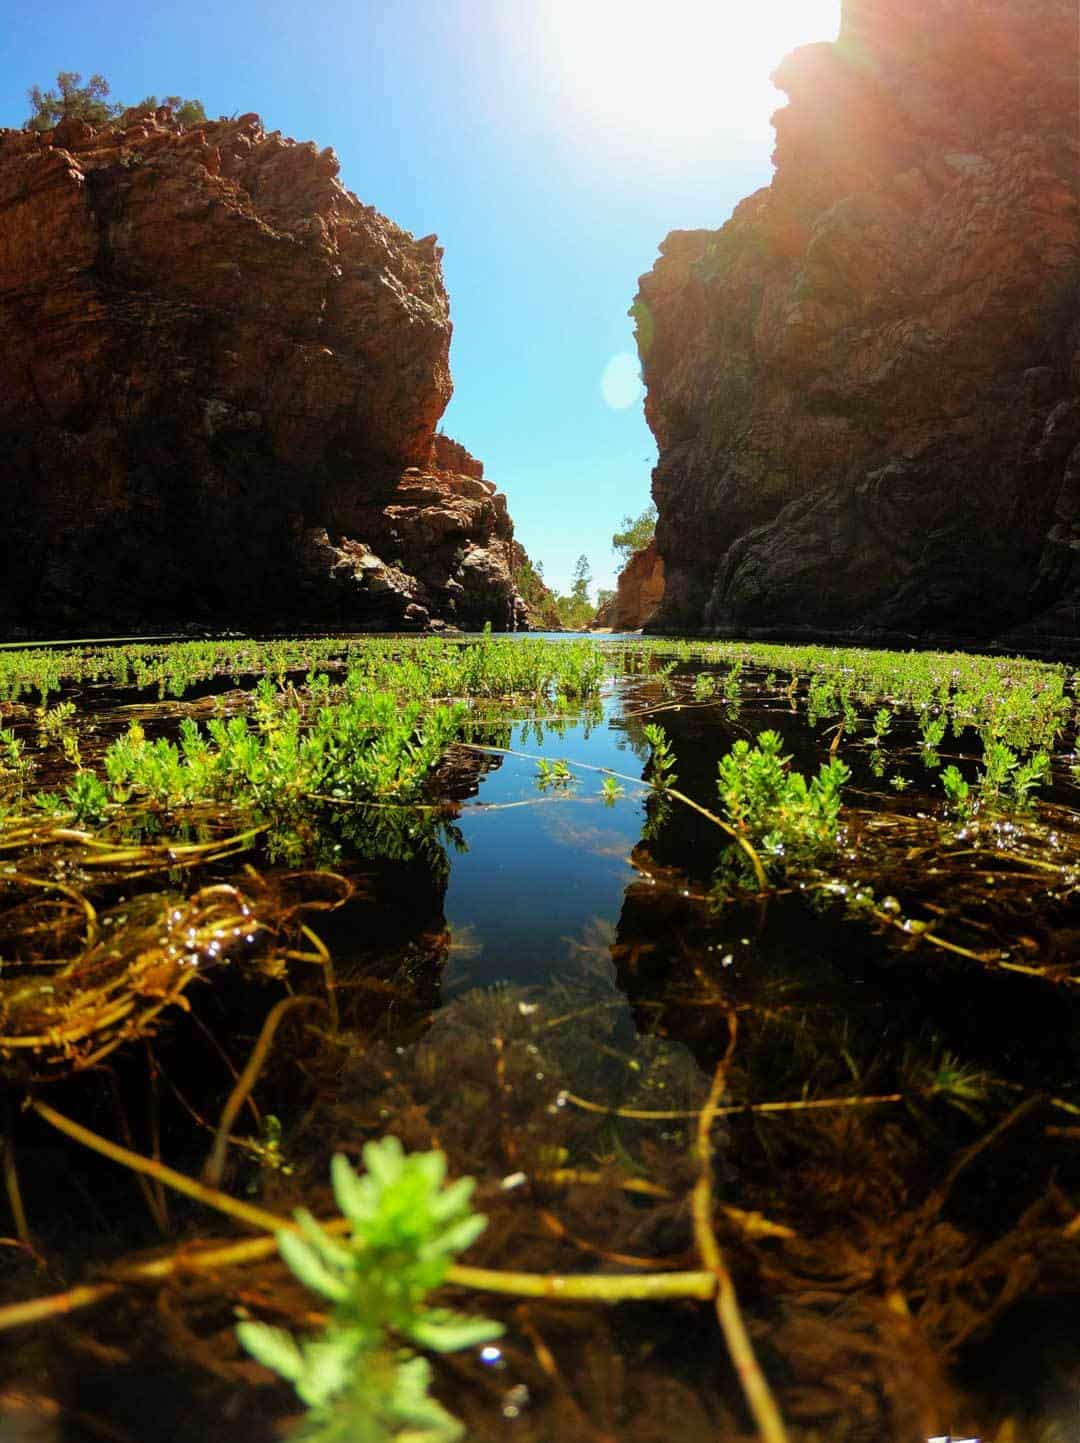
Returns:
(754,1384)
(643,1114)
(215,1162)
(242,1212)
(11,1181)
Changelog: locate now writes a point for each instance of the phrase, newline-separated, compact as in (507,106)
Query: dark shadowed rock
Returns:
(866,386)
(222,377)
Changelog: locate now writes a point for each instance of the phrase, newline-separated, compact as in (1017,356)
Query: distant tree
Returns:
(575,609)
(71,100)
(604,594)
(636,533)
(579,586)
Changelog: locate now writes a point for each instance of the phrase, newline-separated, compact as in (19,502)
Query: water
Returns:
(551,989)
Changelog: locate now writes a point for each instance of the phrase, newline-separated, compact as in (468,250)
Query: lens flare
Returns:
(621,382)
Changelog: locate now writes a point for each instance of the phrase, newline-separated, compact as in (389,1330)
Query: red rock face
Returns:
(216,360)
(866,386)
(639,593)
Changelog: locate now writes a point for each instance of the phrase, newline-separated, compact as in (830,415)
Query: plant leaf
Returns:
(274,1348)
(309,1267)
(446,1332)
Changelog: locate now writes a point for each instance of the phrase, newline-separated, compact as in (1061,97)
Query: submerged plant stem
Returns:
(215,1163)
(754,1384)
(592,1287)
(643,1114)
(246,1213)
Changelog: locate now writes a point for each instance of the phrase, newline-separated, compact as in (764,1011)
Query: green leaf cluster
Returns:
(788,814)
(369,746)
(636,533)
(359,1384)
(662,760)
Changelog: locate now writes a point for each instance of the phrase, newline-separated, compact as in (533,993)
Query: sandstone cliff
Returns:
(222,375)
(638,594)
(865,387)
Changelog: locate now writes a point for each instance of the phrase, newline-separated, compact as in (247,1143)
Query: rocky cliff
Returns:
(865,387)
(222,377)
(638,594)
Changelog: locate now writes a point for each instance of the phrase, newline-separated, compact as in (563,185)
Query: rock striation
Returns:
(222,378)
(865,387)
(639,591)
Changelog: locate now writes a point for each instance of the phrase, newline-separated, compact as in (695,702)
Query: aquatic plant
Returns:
(359,1384)
(778,806)
(553,774)
(662,760)
(882,725)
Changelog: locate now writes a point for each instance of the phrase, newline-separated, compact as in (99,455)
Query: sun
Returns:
(682,67)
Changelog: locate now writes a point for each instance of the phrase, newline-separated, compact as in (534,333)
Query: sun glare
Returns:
(685,67)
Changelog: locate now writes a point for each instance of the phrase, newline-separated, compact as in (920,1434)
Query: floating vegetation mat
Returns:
(740,979)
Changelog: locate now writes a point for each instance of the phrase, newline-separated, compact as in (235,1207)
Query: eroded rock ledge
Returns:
(222,377)
(866,386)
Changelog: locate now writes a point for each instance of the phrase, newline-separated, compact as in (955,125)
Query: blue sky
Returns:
(551,145)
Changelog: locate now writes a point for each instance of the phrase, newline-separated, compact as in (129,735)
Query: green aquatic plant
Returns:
(611,790)
(1028,775)
(788,815)
(553,774)
(370,746)
(932,731)
(53,722)
(1005,780)
(88,797)
(15,765)
(732,686)
(882,725)
(662,760)
(957,790)
(359,1383)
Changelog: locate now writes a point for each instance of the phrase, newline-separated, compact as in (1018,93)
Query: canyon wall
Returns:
(222,375)
(639,592)
(865,387)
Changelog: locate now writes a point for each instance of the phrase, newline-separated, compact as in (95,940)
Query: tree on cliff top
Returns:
(71,100)
(635,535)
